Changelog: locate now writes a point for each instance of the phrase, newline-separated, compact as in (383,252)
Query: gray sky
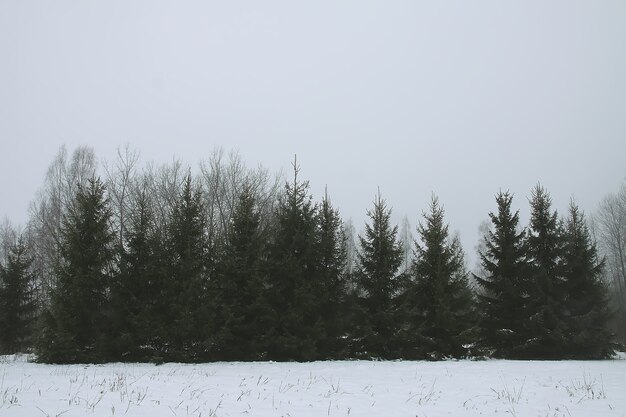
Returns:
(457,97)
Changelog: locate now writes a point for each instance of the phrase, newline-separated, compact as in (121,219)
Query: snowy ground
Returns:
(424,389)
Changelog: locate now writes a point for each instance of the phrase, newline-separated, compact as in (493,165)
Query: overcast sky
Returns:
(460,98)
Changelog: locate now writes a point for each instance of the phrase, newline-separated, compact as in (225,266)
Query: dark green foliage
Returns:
(502,295)
(137,291)
(331,281)
(545,328)
(186,281)
(297,325)
(377,273)
(17,303)
(242,319)
(439,302)
(586,296)
(280,280)
(77,324)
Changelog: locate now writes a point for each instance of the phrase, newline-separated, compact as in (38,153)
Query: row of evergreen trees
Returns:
(282,289)
(543,294)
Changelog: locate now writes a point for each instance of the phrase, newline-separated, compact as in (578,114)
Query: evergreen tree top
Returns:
(433,229)
(545,230)
(503,242)
(380,255)
(437,250)
(87,224)
(380,240)
(542,220)
(297,197)
(578,243)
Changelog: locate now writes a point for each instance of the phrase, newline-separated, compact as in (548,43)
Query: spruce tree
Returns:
(242,317)
(544,333)
(77,324)
(138,290)
(17,303)
(442,305)
(292,273)
(377,275)
(331,282)
(189,258)
(502,295)
(586,295)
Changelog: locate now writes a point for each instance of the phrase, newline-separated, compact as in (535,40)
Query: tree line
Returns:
(160,265)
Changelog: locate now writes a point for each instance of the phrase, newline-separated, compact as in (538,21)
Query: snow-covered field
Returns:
(424,389)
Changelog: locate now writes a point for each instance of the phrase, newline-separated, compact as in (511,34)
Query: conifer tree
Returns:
(442,306)
(586,295)
(137,293)
(544,334)
(378,262)
(77,325)
(189,258)
(292,275)
(501,300)
(242,317)
(331,282)
(17,303)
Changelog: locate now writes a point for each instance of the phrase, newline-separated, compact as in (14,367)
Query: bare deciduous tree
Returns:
(407,243)
(120,177)
(350,234)
(223,178)
(164,184)
(610,230)
(8,238)
(480,248)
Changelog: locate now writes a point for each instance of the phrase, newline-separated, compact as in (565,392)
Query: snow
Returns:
(355,388)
